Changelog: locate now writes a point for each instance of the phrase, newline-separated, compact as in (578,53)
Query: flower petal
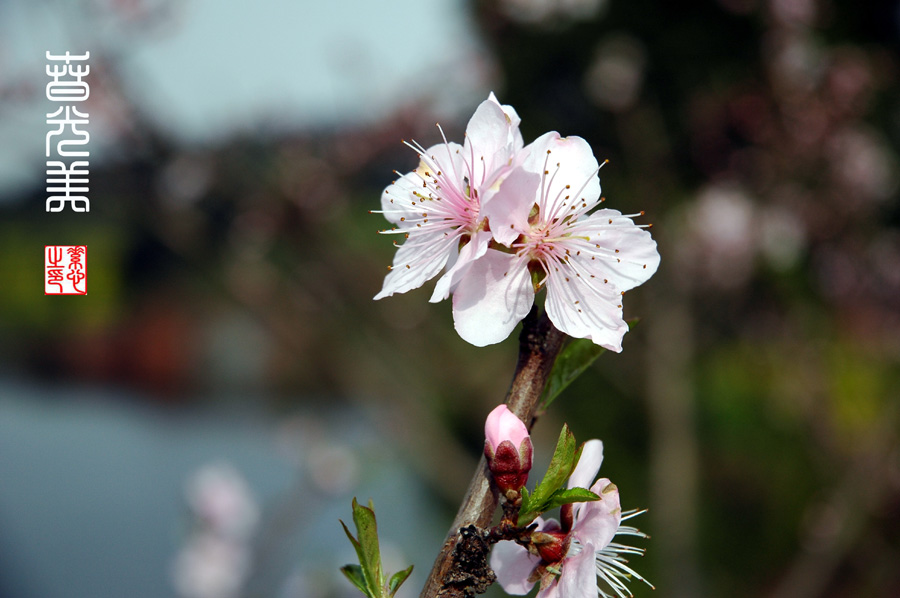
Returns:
(471,251)
(598,521)
(502,424)
(492,143)
(583,306)
(445,164)
(579,575)
(398,197)
(509,208)
(551,590)
(418,260)
(625,254)
(493,296)
(513,565)
(586,471)
(510,112)
(569,171)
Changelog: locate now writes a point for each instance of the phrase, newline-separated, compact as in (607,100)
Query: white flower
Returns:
(582,551)
(440,206)
(545,214)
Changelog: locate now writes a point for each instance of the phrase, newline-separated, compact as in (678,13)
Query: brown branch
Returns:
(539,345)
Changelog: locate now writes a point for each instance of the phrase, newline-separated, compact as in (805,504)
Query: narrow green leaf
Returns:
(563,497)
(398,578)
(355,574)
(526,516)
(526,499)
(561,465)
(575,358)
(528,510)
(370,559)
(356,545)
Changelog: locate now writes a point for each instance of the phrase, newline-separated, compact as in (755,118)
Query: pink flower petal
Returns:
(492,298)
(552,590)
(513,565)
(509,208)
(588,465)
(626,254)
(397,197)
(569,171)
(578,578)
(414,265)
(471,251)
(510,112)
(586,471)
(585,307)
(493,142)
(598,521)
(502,424)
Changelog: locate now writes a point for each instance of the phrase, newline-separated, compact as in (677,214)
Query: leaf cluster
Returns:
(368,576)
(551,491)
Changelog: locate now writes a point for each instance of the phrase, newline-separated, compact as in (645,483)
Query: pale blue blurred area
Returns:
(92,494)
(298,64)
(208,70)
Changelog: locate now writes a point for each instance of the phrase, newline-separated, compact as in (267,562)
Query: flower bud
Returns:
(551,546)
(508,449)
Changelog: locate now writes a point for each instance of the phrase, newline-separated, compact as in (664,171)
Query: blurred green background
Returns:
(231,263)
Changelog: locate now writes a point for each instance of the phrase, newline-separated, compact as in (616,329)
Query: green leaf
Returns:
(564,497)
(574,359)
(561,464)
(398,578)
(367,535)
(356,545)
(355,574)
(578,355)
(559,470)
(368,576)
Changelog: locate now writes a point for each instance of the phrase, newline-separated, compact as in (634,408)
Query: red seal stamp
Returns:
(65,270)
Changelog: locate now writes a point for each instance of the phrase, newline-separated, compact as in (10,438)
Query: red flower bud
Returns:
(551,546)
(508,449)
